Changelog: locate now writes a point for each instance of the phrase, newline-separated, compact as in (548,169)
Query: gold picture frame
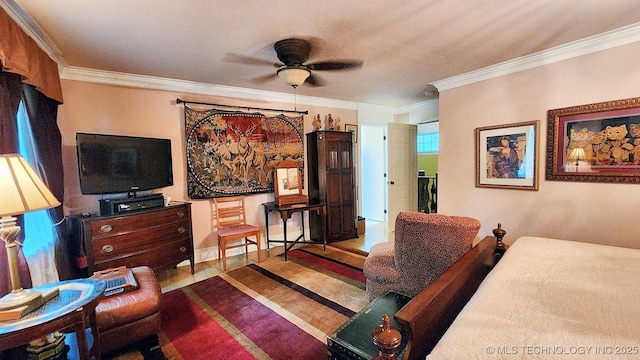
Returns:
(353,129)
(597,142)
(507,156)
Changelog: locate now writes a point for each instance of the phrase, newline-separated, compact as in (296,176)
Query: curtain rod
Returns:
(179,101)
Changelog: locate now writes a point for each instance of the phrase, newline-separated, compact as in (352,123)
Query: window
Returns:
(38,227)
(428,142)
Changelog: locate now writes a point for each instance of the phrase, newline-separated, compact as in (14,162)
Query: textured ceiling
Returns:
(405,45)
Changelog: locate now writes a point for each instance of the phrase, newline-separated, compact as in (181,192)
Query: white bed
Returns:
(551,298)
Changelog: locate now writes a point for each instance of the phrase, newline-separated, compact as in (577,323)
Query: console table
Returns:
(73,309)
(285,213)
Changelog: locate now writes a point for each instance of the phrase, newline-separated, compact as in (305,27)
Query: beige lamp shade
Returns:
(22,189)
(577,154)
(294,76)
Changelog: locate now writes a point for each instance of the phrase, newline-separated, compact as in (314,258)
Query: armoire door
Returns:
(340,189)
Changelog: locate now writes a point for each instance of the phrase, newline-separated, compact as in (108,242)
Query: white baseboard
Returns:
(211,253)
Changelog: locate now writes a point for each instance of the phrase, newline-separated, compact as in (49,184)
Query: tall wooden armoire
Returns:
(332,181)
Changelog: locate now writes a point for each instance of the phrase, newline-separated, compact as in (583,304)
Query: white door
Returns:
(372,150)
(402,162)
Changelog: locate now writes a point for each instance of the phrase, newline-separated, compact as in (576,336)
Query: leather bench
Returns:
(127,318)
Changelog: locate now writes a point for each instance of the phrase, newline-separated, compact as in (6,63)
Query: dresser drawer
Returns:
(144,239)
(162,257)
(119,225)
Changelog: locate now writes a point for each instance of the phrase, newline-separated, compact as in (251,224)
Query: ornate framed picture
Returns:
(507,156)
(354,129)
(597,142)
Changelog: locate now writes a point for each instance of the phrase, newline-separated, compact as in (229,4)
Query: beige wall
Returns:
(599,213)
(107,109)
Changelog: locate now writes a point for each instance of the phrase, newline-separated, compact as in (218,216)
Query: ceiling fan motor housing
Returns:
(292,51)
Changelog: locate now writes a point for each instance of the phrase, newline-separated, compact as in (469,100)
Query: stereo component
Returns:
(119,206)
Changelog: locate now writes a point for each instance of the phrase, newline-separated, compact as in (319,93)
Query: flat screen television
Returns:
(110,164)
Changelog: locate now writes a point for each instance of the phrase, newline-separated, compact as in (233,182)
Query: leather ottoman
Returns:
(128,318)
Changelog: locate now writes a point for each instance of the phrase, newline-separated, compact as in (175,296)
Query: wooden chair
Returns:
(231,225)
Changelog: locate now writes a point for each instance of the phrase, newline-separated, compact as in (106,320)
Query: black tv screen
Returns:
(110,164)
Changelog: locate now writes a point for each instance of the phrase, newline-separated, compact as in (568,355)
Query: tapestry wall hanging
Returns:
(235,153)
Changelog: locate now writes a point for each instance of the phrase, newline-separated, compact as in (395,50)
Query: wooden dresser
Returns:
(332,182)
(159,238)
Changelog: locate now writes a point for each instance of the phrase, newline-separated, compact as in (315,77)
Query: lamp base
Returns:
(21,298)
(21,310)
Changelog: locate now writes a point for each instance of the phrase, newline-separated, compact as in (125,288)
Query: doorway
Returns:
(373,172)
(382,196)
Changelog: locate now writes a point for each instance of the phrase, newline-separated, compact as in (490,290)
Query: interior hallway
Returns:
(375,232)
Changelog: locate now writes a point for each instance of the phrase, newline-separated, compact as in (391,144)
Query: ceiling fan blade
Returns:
(336,65)
(248,60)
(263,79)
(315,81)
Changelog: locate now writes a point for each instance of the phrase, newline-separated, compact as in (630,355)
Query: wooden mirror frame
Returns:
(287,184)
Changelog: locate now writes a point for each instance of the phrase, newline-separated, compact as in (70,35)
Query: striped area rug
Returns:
(270,310)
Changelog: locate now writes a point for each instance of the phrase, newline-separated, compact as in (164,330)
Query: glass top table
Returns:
(73,308)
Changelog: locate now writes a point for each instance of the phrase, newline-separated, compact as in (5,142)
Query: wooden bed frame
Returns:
(428,315)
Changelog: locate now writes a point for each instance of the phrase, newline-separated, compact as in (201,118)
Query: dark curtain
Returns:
(10,94)
(43,114)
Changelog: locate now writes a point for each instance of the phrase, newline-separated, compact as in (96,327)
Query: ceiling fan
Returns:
(294,53)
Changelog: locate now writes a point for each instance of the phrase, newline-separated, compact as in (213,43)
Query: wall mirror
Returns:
(287,184)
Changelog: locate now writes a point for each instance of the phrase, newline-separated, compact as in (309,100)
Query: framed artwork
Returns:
(507,156)
(595,143)
(235,153)
(353,129)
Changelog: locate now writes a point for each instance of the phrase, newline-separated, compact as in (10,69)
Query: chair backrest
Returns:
(229,211)
(426,245)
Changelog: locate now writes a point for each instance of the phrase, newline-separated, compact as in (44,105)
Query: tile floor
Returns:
(375,232)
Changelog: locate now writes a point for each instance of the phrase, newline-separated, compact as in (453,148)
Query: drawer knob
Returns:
(181,230)
(107,248)
(106,228)
(181,214)
(183,249)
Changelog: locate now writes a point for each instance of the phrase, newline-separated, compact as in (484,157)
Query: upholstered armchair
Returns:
(425,246)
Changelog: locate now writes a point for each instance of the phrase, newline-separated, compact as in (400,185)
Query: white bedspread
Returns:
(555,299)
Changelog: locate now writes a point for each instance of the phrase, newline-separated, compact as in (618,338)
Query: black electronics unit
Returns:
(113,164)
(119,206)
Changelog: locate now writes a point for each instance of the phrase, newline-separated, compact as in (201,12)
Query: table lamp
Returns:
(22,192)
(577,154)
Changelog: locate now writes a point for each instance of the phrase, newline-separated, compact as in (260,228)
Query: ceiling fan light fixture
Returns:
(294,76)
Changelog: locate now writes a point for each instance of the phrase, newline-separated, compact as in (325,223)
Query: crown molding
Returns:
(607,40)
(423,112)
(160,83)
(427,105)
